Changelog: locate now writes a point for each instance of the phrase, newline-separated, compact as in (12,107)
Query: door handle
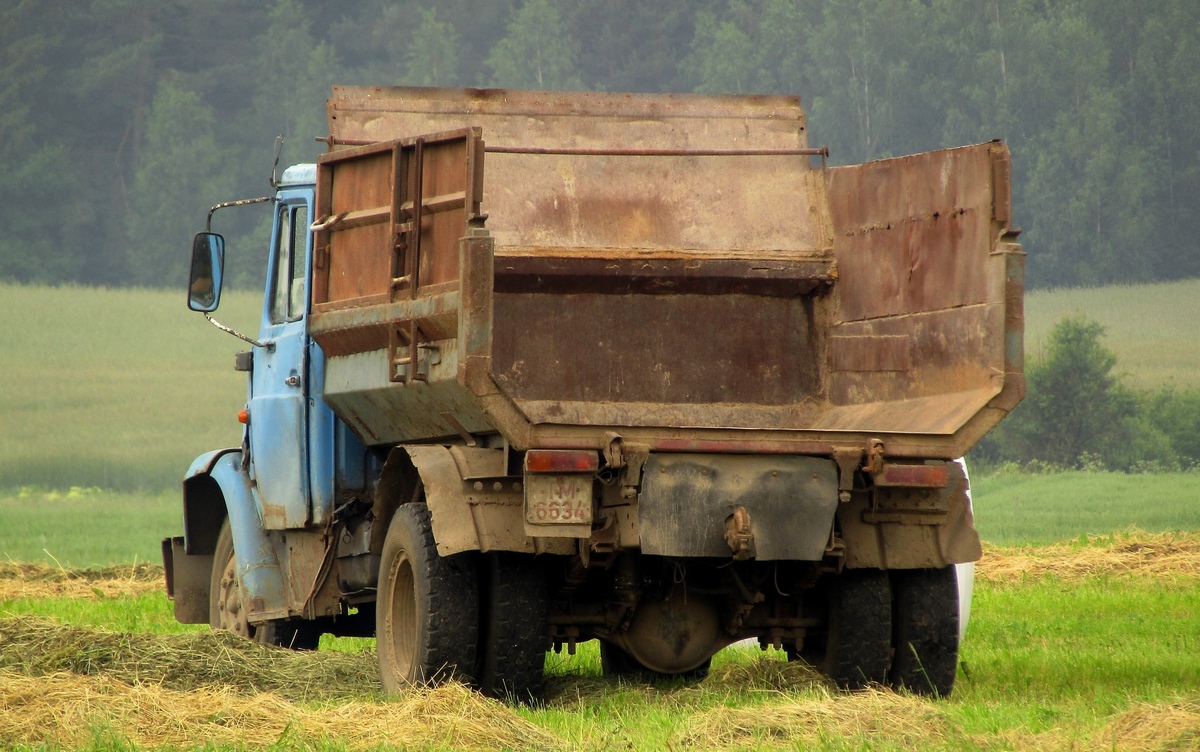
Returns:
(292,380)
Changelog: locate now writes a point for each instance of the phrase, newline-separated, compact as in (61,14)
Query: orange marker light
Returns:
(244,417)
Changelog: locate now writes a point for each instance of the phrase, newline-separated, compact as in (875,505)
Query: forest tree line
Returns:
(122,121)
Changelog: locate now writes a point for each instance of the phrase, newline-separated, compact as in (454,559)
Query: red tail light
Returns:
(561,461)
(914,476)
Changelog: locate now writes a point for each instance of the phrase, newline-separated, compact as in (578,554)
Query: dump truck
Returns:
(539,368)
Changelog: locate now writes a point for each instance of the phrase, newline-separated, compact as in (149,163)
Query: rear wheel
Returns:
(227,608)
(427,615)
(926,630)
(858,639)
(514,616)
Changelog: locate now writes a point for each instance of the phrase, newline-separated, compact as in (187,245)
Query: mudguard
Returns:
(258,566)
(965,571)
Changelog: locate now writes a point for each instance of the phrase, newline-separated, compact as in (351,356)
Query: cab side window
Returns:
(287,288)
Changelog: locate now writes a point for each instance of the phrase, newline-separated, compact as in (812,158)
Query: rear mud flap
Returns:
(189,579)
(687,499)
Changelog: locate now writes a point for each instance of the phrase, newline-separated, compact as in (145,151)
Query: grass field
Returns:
(116,389)
(1102,655)
(1152,328)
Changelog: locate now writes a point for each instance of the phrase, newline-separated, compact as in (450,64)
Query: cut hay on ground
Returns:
(1162,556)
(45,581)
(69,710)
(903,720)
(195,660)
(1153,727)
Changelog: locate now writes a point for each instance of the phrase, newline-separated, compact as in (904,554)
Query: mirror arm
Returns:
(227,204)
(229,330)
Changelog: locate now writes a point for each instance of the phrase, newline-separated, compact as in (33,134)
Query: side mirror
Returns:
(208,263)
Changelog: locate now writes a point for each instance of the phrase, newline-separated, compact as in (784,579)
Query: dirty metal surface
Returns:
(709,203)
(687,498)
(877,537)
(189,581)
(923,319)
(617,271)
(389,217)
(475,515)
(359,390)
(739,303)
(668,349)
(913,233)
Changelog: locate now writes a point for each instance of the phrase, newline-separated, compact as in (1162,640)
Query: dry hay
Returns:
(906,721)
(194,660)
(60,684)
(69,710)
(1153,727)
(1164,556)
(19,580)
(766,673)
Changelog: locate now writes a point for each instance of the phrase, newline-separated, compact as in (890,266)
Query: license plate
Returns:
(558,499)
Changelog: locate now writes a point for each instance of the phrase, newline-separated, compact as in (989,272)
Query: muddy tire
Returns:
(616,662)
(227,609)
(858,639)
(926,631)
(513,627)
(427,615)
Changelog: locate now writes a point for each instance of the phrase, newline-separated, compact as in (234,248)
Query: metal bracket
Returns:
(847,461)
(874,456)
(612,450)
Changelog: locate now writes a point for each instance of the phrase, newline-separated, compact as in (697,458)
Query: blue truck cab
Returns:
(274,497)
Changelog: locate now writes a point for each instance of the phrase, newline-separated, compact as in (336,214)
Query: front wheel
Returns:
(427,615)
(227,608)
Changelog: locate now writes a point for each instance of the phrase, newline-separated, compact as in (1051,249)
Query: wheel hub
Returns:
(229,602)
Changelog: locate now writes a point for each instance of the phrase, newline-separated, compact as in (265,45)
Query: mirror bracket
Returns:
(268,344)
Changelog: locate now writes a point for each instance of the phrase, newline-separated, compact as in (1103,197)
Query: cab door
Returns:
(279,401)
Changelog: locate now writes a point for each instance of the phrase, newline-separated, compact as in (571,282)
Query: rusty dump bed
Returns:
(678,270)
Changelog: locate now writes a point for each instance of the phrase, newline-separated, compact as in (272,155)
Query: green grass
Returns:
(1042,657)
(1015,508)
(87,527)
(1151,328)
(115,389)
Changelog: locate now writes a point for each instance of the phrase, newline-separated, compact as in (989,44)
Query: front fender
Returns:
(203,464)
(258,566)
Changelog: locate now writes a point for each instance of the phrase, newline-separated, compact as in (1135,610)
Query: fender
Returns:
(258,566)
(473,505)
